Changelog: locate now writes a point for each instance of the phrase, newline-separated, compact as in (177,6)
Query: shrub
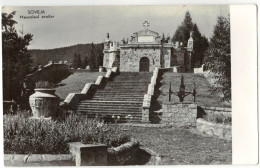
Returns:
(44,84)
(219,118)
(24,135)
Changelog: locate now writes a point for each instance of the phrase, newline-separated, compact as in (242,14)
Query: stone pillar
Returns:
(89,154)
(101,69)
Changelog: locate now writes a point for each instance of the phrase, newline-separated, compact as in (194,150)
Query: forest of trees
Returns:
(87,54)
(200,42)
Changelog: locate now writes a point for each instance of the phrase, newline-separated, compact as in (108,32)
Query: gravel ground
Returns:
(184,146)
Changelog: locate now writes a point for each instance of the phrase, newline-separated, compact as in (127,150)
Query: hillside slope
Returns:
(65,53)
(204,97)
(75,83)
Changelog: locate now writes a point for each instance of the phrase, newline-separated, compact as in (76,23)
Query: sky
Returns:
(80,25)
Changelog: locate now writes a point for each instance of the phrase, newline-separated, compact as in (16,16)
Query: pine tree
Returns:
(163,38)
(219,60)
(182,34)
(79,61)
(92,56)
(85,62)
(75,61)
(16,58)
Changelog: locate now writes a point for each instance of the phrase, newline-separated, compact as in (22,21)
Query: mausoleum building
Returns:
(146,50)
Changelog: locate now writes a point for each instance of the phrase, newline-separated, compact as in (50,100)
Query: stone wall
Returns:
(50,72)
(178,58)
(214,129)
(215,114)
(225,111)
(166,61)
(179,114)
(130,58)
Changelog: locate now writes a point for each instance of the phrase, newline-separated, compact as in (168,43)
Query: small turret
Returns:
(190,43)
(107,43)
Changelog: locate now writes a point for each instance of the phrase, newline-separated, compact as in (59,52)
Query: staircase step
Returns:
(121,106)
(89,107)
(122,99)
(122,114)
(119,91)
(127,86)
(115,97)
(126,102)
(108,108)
(123,95)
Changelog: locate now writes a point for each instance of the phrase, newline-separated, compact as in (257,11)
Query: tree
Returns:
(16,58)
(219,59)
(92,56)
(182,34)
(75,61)
(85,62)
(79,61)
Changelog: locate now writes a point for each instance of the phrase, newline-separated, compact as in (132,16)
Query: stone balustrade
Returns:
(148,96)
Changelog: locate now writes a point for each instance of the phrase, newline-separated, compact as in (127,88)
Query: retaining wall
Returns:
(50,72)
(225,111)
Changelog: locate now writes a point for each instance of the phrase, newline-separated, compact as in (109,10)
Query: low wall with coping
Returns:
(47,72)
(148,97)
(213,129)
(225,111)
(215,114)
(38,160)
(73,99)
(179,114)
(130,153)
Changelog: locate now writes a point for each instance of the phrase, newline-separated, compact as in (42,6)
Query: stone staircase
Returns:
(122,96)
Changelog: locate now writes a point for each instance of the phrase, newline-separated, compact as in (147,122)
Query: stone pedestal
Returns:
(101,69)
(179,114)
(89,154)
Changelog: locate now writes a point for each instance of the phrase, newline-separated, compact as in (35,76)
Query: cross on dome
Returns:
(146,24)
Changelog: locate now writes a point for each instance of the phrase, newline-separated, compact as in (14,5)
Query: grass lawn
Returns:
(203,98)
(180,146)
(75,83)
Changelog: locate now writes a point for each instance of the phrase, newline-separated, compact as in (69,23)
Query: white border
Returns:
(244,66)
(244,84)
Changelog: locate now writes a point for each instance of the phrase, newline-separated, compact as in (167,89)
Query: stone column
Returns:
(89,154)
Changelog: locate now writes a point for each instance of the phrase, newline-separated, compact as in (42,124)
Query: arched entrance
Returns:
(144,64)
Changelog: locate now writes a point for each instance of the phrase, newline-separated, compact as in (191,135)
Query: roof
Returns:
(146,32)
